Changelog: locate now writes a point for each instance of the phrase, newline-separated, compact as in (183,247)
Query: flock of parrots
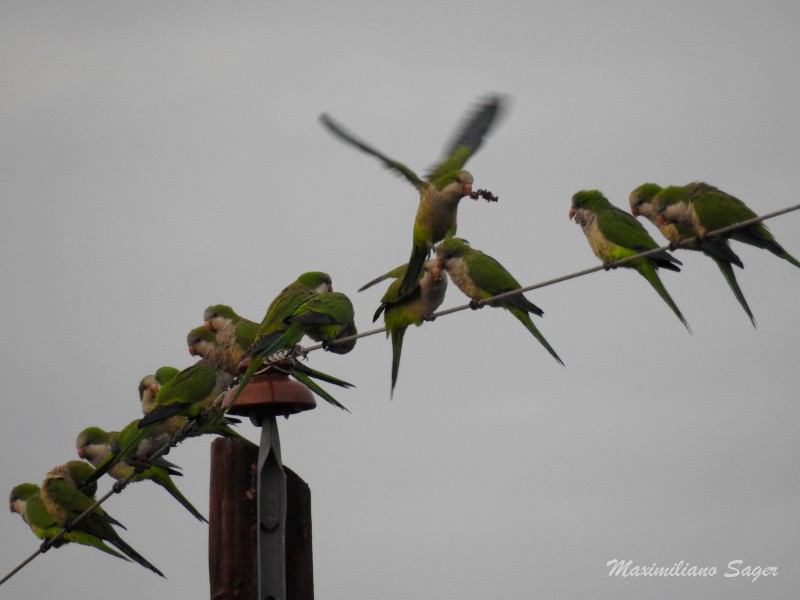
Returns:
(228,344)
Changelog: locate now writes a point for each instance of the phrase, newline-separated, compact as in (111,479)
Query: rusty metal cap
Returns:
(271,393)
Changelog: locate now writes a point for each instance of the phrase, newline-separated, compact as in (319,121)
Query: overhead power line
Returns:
(192,425)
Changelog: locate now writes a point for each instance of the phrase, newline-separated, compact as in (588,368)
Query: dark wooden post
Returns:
(233,529)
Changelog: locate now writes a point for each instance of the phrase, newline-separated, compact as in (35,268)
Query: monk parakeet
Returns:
(222,323)
(25,500)
(443,187)
(322,317)
(705,208)
(65,501)
(614,234)
(718,249)
(234,335)
(278,321)
(150,384)
(95,445)
(480,276)
(183,397)
(401,311)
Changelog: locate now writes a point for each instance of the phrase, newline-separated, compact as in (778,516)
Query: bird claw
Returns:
(431,317)
(609,264)
(475,304)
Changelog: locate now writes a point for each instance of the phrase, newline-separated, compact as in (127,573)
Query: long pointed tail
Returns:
(162,478)
(730,277)
(761,237)
(525,319)
(397,347)
(648,271)
(87,539)
(314,387)
(415,265)
(124,547)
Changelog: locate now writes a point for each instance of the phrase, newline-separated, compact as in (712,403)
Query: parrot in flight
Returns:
(412,309)
(480,276)
(718,249)
(26,500)
(442,188)
(704,208)
(614,234)
(64,501)
(95,445)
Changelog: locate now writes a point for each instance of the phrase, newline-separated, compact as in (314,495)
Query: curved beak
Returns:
(634,211)
(207,325)
(571,213)
(467,189)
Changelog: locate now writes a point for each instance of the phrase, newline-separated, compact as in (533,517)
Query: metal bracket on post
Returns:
(267,396)
(271,514)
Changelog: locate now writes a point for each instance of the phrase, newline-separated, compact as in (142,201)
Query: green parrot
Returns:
(412,309)
(223,323)
(205,343)
(26,500)
(150,384)
(65,501)
(188,393)
(614,234)
(443,187)
(704,208)
(183,397)
(278,326)
(234,335)
(95,445)
(718,249)
(480,276)
(323,317)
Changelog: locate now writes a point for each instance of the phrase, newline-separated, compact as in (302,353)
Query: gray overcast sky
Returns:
(161,157)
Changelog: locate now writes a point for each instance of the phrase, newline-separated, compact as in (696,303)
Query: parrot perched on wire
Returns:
(150,384)
(284,325)
(412,309)
(95,445)
(233,333)
(26,500)
(614,234)
(718,249)
(184,397)
(705,208)
(222,323)
(442,188)
(480,276)
(65,501)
